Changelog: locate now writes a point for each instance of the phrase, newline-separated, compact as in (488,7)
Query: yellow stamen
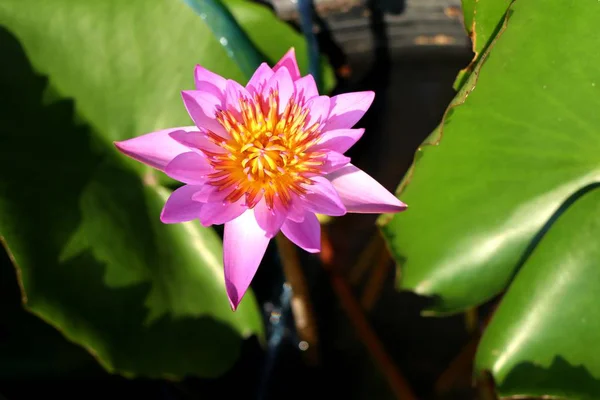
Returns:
(268,152)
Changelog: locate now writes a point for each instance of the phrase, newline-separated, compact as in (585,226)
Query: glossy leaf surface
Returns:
(80,220)
(524,140)
(543,338)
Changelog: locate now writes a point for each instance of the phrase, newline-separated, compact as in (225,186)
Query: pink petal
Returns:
(218,212)
(244,245)
(259,79)
(319,110)
(363,194)
(233,93)
(196,140)
(180,207)
(306,234)
(282,82)
(207,81)
(289,61)
(334,161)
(322,198)
(190,168)
(339,140)
(202,108)
(295,211)
(348,108)
(155,149)
(306,87)
(269,221)
(211,194)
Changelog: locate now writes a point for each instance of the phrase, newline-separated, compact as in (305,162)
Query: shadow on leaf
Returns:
(91,255)
(560,379)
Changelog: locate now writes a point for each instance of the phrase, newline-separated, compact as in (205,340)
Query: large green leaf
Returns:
(525,139)
(125,62)
(81,221)
(543,339)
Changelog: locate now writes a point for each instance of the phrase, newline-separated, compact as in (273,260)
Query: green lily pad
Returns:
(526,137)
(542,340)
(82,222)
(125,63)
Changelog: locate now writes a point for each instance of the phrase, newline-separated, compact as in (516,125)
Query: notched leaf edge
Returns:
(437,134)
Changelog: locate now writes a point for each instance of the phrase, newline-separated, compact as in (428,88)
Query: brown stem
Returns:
(462,365)
(486,388)
(365,260)
(301,306)
(459,370)
(354,311)
(472,321)
(376,280)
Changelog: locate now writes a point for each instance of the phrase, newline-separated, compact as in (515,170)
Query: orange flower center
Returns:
(267,154)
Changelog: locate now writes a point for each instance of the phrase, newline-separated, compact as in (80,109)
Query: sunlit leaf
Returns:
(543,338)
(80,220)
(524,140)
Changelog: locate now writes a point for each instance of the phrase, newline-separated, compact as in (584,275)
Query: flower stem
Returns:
(306,8)
(485,387)
(354,311)
(300,302)
(365,259)
(376,280)
(277,323)
(230,35)
(459,370)
(471,321)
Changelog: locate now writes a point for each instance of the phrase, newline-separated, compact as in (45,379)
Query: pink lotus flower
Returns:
(261,159)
